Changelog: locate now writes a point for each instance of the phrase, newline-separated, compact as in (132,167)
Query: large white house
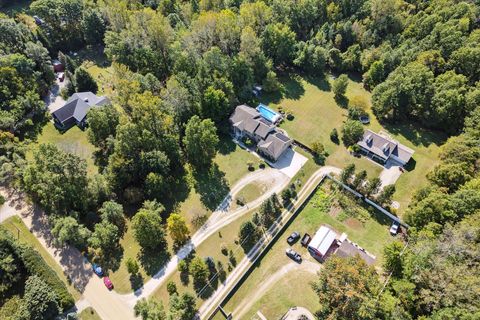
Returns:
(271,141)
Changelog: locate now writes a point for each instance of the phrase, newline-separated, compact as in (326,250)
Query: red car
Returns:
(108,283)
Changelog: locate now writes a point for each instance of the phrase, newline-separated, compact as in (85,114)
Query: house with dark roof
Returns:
(382,148)
(271,141)
(74,111)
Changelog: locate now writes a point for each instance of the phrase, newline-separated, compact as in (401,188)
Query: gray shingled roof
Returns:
(264,128)
(384,147)
(347,249)
(78,105)
(274,144)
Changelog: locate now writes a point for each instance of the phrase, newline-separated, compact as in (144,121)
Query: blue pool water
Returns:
(268,113)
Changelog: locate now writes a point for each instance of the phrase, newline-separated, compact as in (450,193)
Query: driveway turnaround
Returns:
(290,162)
(391,173)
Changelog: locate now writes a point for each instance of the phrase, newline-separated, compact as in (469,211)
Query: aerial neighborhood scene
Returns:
(249,159)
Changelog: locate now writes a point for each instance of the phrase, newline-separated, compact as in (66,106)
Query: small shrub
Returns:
(2,200)
(182,266)
(290,116)
(132,266)
(224,249)
(262,165)
(240,201)
(334,136)
(250,166)
(171,288)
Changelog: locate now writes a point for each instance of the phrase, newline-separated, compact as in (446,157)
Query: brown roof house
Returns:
(383,148)
(271,141)
(74,111)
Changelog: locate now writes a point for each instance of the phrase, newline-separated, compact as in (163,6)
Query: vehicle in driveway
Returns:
(293,255)
(108,283)
(394,229)
(293,237)
(97,269)
(306,239)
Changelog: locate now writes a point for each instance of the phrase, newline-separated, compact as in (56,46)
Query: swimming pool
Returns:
(268,113)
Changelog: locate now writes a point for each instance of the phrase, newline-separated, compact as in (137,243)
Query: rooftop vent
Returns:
(86,99)
(385,147)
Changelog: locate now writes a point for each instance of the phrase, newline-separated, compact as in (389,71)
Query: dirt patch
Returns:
(353,223)
(335,211)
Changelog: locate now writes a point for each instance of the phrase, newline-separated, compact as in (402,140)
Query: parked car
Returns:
(293,237)
(394,228)
(108,283)
(306,239)
(38,21)
(97,269)
(294,255)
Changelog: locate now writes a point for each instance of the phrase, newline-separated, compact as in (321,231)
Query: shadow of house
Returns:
(75,110)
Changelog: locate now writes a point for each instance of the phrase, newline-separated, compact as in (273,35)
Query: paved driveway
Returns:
(390,173)
(290,162)
(54,101)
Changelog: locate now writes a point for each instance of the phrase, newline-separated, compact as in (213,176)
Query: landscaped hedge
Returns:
(35,265)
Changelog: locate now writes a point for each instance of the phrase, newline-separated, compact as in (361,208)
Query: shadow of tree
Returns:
(152,261)
(226,145)
(321,82)
(112,259)
(136,281)
(291,88)
(211,185)
(414,133)
(342,101)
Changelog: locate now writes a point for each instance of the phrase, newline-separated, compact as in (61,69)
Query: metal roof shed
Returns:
(322,241)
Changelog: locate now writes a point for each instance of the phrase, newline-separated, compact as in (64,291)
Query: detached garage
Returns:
(322,241)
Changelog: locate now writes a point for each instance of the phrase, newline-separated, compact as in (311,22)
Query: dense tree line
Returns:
(24,273)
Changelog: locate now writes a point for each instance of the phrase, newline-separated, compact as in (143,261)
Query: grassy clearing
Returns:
(316,114)
(19,230)
(89,314)
(73,141)
(372,234)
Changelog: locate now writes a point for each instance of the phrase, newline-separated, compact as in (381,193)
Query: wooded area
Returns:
(178,70)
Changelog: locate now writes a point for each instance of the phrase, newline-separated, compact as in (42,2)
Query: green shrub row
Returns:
(35,265)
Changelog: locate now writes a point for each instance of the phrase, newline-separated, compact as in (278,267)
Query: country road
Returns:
(111,305)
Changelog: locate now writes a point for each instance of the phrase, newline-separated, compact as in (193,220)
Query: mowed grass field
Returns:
(73,141)
(316,114)
(293,288)
(18,229)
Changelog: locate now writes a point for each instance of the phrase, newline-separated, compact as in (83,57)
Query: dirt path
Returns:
(220,218)
(268,283)
(209,305)
(109,305)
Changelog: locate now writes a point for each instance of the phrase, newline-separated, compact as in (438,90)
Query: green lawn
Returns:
(231,162)
(74,140)
(209,248)
(293,289)
(89,314)
(18,229)
(316,113)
